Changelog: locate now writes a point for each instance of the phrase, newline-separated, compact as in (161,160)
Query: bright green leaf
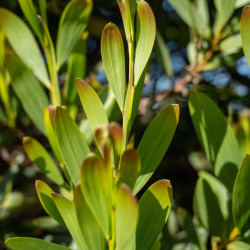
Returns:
(231,44)
(43,11)
(24,243)
(92,104)
(96,183)
(71,142)
(29,11)
(244,30)
(67,211)
(216,137)
(130,167)
(27,88)
(88,224)
(114,61)
(241,201)
(45,197)
(154,207)
(24,44)
(72,24)
(39,155)
(155,143)
(238,245)
(241,3)
(126,218)
(146,31)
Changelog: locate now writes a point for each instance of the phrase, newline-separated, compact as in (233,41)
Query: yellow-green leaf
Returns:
(114,61)
(72,143)
(146,30)
(154,207)
(39,155)
(155,143)
(68,213)
(244,30)
(92,104)
(45,197)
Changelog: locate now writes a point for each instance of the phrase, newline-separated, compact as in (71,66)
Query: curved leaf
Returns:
(24,44)
(45,197)
(154,207)
(71,142)
(72,24)
(114,61)
(146,30)
(39,155)
(155,143)
(92,104)
(24,243)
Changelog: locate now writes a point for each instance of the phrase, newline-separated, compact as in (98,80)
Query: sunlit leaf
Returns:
(146,30)
(155,143)
(96,183)
(71,142)
(45,197)
(154,207)
(39,155)
(92,104)
(24,243)
(130,167)
(88,224)
(114,61)
(126,218)
(72,24)
(24,44)
(241,201)
(68,213)
(216,137)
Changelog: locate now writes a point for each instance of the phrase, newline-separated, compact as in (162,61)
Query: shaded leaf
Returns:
(241,202)
(24,44)
(39,155)
(126,218)
(42,7)
(221,150)
(130,167)
(27,88)
(45,197)
(92,104)
(73,22)
(114,61)
(155,143)
(24,243)
(67,211)
(146,30)
(88,224)
(71,142)
(154,207)
(96,183)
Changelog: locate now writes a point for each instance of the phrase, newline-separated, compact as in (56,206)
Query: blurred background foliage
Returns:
(198,46)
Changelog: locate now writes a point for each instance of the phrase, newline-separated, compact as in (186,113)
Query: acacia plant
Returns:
(98,203)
